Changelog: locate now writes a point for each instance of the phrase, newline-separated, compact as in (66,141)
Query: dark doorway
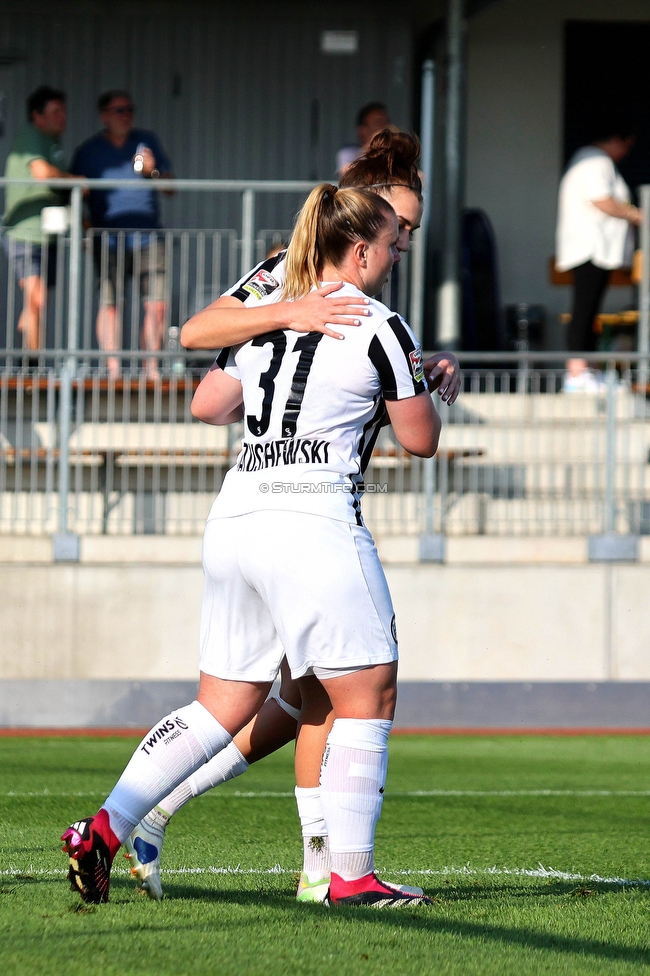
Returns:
(606,71)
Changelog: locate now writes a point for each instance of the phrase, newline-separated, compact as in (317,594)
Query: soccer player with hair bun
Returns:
(390,168)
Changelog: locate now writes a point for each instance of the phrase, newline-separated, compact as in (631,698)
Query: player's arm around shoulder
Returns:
(229,321)
(218,398)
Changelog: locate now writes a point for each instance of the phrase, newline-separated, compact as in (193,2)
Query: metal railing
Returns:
(185,268)
(520,454)
(526,452)
(85,448)
(95,429)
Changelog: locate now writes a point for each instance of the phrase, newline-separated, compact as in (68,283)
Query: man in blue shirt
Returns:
(122,152)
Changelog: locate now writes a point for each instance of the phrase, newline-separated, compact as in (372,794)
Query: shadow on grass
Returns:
(422,919)
(480,891)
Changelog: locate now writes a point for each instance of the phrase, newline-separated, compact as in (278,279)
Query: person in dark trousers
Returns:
(593,228)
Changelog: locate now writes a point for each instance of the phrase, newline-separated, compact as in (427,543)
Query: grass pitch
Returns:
(535,850)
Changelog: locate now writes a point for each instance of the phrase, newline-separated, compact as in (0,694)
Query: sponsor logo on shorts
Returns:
(417,366)
(261,284)
(293,450)
(393,629)
(171,729)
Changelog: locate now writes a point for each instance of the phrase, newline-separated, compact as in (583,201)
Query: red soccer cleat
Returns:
(91,846)
(371,891)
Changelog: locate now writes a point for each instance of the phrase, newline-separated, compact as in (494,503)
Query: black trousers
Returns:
(589,284)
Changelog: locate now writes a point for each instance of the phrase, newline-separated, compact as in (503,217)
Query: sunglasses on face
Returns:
(123,109)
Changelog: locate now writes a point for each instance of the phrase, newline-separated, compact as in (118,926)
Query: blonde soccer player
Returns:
(294,572)
(390,168)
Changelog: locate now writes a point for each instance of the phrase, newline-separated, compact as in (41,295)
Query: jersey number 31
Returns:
(306,344)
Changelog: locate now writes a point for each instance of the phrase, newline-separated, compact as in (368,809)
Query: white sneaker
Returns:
(312,890)
(144,846)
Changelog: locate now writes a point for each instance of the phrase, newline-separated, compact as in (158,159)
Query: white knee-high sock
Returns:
(226,765)
(168,754)
(315,842)
(353,776)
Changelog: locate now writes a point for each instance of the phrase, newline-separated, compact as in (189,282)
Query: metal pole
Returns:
(248,230)
(644,292)
(421,237)
(449,296)
(76,233)
(610,452)
(63,548)
(522,343)
(429,491)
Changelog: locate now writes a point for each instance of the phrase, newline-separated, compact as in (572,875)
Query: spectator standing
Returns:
(120,151)
(36,155)
(593,229)
(371,119)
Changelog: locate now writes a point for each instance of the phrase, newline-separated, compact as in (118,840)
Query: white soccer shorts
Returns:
(297,584)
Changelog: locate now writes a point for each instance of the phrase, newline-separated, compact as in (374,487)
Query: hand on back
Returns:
(321,309)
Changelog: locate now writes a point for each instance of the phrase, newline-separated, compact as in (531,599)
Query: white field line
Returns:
(240,794)
(446,872)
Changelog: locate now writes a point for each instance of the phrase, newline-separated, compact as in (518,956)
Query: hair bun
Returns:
(399,149)
(391,160)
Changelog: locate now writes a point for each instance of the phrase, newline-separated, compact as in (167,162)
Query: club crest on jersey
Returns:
(261,284)
(417,366)
(393,629)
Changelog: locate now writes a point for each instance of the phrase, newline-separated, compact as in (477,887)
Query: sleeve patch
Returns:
(261,284)
(416,364)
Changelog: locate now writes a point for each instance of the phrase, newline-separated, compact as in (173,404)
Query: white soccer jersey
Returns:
(313,406)
(262,282)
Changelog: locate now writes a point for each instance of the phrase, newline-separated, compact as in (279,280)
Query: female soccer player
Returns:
(390,167)
(311,407)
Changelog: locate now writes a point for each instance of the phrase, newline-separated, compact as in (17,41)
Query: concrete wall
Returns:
(514,135)
(493,613)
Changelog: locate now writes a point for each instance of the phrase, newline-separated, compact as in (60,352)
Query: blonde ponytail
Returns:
(302,255)
(330,221)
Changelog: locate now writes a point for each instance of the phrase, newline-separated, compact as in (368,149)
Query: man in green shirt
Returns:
(36,155)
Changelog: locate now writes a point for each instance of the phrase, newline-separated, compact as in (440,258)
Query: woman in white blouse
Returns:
(595,217)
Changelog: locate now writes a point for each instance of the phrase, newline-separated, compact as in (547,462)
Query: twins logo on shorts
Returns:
(417,366)
(261,284)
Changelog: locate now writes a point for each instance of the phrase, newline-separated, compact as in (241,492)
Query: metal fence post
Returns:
(609,522)
(65,543)
(610,547)
(248,230)
(429,491)
(432,544)
(644,292)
